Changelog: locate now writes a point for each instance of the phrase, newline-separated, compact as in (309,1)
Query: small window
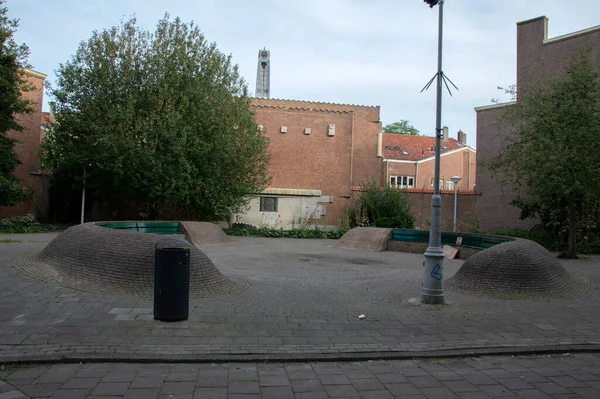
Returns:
(393,181)
(268,204)
(405,152)
(387,147)
(449,185)
(397,148)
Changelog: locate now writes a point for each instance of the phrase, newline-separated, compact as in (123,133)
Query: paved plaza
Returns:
(298,316)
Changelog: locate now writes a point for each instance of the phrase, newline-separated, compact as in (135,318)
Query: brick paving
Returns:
(547,376)
(302,304)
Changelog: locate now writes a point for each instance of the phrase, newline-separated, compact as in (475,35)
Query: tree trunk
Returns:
(571,252)
(152,212)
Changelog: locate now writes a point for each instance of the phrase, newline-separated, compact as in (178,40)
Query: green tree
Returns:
(551,157)
(402,127)
(156,119)
(13,58)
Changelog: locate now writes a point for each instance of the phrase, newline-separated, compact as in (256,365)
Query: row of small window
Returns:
(409,182)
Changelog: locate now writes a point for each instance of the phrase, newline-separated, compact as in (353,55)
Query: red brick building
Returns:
(27,149)
(408,162)
(319,151)
(538,60)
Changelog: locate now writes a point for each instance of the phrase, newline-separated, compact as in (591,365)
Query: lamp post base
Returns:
(432,292)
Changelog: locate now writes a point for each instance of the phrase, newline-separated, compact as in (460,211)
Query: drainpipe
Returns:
(351,152)
(416,174)
(387,168)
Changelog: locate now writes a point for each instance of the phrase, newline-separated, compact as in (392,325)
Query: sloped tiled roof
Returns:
(258,102)
(413,148)
(426,190)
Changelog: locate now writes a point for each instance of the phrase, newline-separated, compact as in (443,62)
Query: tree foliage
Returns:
(551,158)
(402,127)
(13,58)
(156,119)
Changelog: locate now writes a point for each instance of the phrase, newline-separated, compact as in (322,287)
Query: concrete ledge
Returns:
(365,238)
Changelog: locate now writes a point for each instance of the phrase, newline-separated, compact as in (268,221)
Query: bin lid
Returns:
(172,243)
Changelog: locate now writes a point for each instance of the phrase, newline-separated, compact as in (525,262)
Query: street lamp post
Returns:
(432,291)
(455,179)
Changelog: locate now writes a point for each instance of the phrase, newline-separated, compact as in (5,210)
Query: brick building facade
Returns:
(27,149)
(409,161)
(538,60)
(319,151)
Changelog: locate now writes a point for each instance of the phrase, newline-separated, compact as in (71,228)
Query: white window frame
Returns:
(449,185)
(402,181)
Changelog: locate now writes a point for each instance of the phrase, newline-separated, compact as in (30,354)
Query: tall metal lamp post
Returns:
(455,180)
(433,291)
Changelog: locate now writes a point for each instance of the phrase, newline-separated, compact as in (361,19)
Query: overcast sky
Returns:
(367,52)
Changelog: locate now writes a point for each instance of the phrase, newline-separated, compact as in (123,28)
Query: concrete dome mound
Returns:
(91,258)
(519,269)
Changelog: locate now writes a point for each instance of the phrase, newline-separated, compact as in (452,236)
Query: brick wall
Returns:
(317,161)
(466,210)
(27,149)
(538,60)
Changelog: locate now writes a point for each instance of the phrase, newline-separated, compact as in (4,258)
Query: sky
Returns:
(364,52)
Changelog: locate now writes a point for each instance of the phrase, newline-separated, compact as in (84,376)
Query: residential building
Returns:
(409,161)
(539,59)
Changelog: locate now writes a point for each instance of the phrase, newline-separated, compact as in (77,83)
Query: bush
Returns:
(23,224)
(380,206)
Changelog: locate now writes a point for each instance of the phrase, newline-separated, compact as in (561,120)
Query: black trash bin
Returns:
(171,279)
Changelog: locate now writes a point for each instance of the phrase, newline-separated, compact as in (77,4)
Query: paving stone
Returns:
(243,387)
(110,389)
(178,388)
(341,391)
(70,394)
(80,383)
(277,392)
(142,393)
(379,394)
(334,379)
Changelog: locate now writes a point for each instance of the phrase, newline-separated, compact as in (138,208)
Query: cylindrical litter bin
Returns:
(171,279)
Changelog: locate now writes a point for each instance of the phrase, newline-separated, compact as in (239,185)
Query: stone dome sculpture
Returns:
(92,258)
(519,269)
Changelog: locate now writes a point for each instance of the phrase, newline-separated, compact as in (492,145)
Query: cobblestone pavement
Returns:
(548,376)
(302,303)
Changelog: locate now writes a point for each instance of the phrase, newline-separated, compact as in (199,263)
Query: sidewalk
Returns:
(302,303)
(558,376)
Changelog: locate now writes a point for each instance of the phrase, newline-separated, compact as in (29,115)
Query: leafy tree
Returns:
(551,157)
(13,58)
(402,127)
(380,206)
(157,119)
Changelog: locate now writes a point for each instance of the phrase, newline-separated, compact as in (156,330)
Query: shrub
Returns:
(380,206)
(23,224)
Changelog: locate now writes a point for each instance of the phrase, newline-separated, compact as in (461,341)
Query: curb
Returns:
(295,358)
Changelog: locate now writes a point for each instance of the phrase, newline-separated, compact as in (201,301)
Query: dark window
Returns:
(268,204)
